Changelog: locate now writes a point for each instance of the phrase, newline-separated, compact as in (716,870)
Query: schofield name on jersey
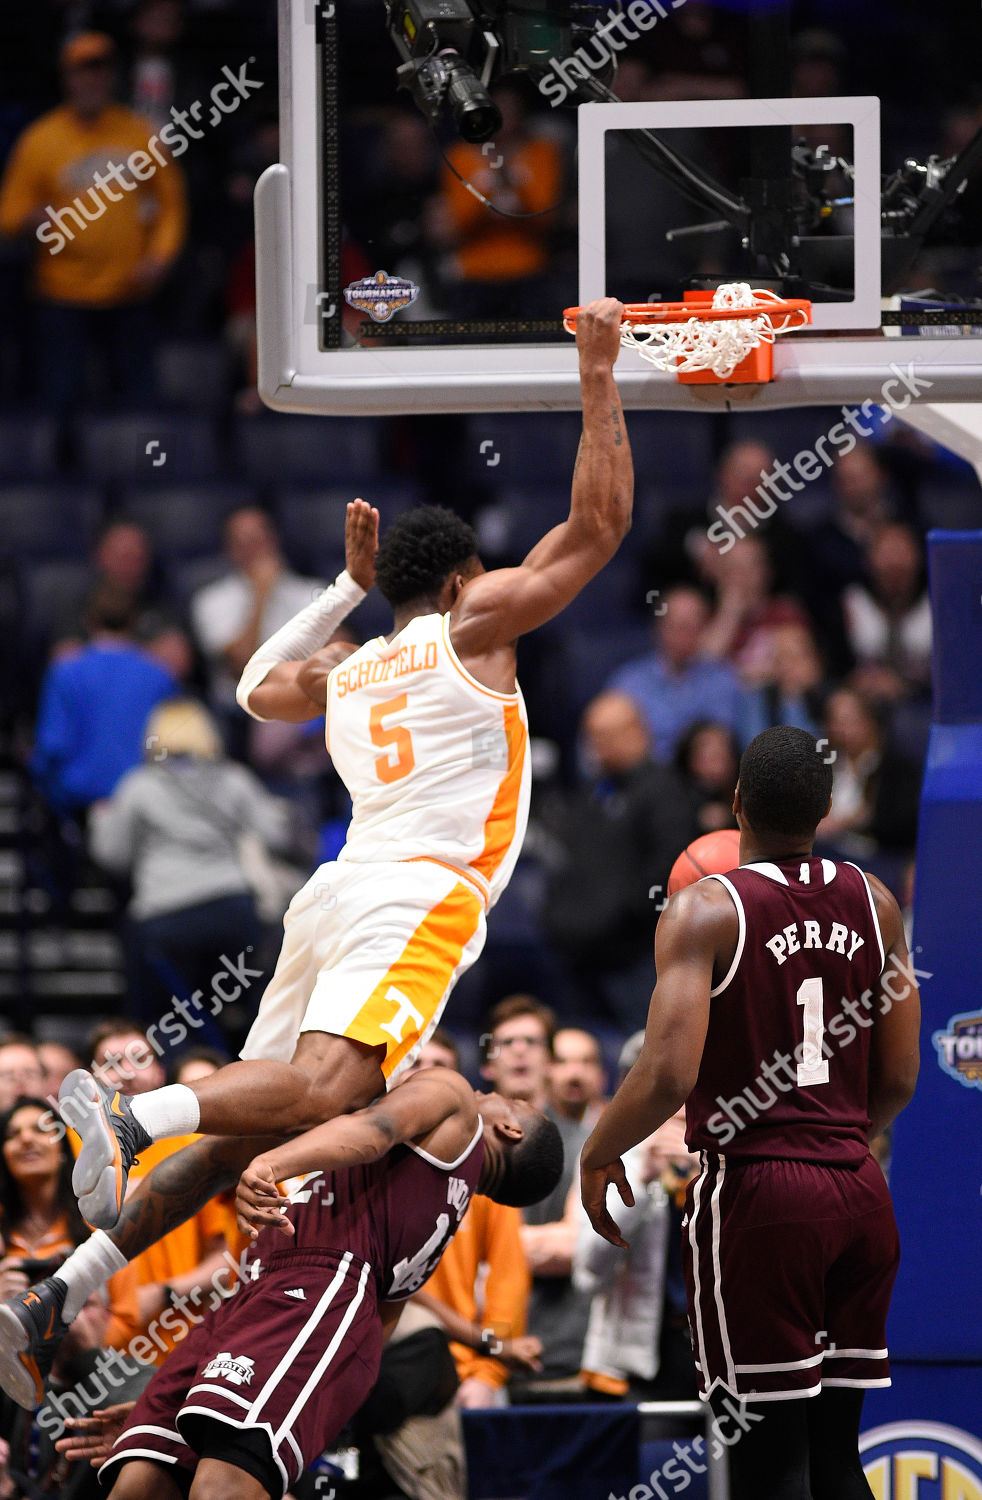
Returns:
(799,935)
(407,659)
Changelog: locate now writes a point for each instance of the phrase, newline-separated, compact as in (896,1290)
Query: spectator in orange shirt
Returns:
(91,182)
(499,258)
(173,1270)
(487,1340)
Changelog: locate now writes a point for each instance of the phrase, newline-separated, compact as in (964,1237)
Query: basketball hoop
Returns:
(728,336)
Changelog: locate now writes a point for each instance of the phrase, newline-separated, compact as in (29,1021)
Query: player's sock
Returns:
(767,1447)
(834,1420)
(87,1269)
(172,1110)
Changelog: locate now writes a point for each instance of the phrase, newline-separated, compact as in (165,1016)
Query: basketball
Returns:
(712,854)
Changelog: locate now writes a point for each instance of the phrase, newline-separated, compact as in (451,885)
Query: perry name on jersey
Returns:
(436,763)
(785,1066)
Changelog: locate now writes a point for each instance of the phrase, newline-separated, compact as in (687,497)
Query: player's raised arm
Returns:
(286,678)
(894,1044)
(692,932)
(494,609)
(409,1112)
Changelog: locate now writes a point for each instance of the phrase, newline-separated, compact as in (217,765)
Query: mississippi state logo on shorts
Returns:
(237,1369)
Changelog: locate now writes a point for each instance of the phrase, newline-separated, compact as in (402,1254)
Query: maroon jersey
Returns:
(784,1071)
(396,1216)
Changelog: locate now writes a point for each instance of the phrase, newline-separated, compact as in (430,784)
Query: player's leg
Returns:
(263,1096)
(234,1462)
(768,1448)
(143,1479)
(858,1285)
(358,996)
(215,1480)
(328,1075)
(755,1271)
(833,1426)
(33,1323)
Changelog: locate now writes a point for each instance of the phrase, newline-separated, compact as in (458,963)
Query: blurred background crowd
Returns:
(156,524)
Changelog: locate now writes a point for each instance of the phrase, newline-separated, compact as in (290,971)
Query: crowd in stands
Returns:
(156,525)
(523,1306)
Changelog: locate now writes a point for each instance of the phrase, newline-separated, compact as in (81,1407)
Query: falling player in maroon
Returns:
(786,1017)
(266,1382)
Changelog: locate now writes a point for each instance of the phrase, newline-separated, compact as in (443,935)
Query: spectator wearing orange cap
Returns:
(105,205)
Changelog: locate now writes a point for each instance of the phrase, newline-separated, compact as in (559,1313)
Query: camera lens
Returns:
(474,112)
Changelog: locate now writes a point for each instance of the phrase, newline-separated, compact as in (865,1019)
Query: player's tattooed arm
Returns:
(494,609)
(179,1186)
(413,1111)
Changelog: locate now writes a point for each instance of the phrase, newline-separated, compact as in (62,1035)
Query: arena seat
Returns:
(329,450)
(47,587)
(678,454)
(185,520)
(194,373)
(28,446)
(520,448)
(579,664)
(950,502)
(186,576)
(311,519)
(518,515)
(154,447)
(785,432)
(56,519)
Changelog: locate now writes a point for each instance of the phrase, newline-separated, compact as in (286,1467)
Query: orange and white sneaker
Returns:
(31,1328)
(111,1138)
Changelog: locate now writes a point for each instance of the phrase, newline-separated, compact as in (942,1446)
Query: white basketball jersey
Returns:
(436,764)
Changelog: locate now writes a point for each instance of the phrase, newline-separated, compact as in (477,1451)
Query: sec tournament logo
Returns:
(922,1461)
(960,1049)
(381,295)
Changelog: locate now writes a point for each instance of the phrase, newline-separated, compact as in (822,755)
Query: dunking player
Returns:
(786,1017)
(428,731)
(265,1383)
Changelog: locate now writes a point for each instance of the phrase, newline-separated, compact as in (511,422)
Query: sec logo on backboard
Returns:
(922,1461)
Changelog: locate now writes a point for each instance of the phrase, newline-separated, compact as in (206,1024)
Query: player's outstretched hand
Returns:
(92,1437)
(258,1202)
(594,1182)
(361,542)
(598,331)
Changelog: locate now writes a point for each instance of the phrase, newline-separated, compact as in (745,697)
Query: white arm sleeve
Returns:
(300,637)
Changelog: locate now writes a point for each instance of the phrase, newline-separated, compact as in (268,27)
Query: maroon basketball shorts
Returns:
(292,1354)
(789,1267)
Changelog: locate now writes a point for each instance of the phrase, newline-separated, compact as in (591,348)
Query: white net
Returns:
(706,343)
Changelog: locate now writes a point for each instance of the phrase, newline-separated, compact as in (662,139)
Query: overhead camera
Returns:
(454,50)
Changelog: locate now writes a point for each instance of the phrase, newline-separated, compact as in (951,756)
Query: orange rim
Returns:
(683,312)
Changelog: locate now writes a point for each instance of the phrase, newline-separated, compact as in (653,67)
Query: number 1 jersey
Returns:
(784,1072)
(436,764)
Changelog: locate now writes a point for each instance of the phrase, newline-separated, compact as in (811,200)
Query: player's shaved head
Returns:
(525,1170)
(785,783)
(418,553)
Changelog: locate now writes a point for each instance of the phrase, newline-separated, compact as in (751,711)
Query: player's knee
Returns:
(342,1075)
(131,1483)
(215,1480)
